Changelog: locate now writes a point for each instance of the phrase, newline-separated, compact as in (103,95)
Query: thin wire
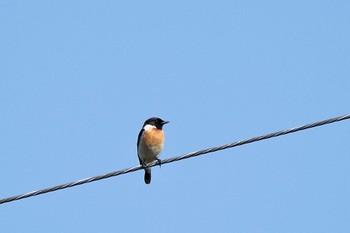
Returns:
(177,158)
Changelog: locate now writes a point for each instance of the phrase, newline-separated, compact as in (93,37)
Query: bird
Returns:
(150,144)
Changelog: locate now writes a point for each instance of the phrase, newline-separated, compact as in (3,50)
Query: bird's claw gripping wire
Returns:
(159,162)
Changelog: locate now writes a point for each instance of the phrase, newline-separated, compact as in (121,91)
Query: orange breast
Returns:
(154,138)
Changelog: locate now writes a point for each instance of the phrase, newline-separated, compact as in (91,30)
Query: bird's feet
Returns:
(159,162)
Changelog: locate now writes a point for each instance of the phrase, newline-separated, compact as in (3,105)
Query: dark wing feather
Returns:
(138,142)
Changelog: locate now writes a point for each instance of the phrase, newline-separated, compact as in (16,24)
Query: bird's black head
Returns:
(155,121)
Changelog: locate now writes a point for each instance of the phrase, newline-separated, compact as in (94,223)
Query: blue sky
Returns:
(78,79)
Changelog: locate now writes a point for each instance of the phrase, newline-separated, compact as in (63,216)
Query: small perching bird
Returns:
(150,143)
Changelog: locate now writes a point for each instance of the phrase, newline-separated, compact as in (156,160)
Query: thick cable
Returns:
(176,158)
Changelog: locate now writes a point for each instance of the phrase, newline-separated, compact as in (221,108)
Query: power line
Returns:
(176,158)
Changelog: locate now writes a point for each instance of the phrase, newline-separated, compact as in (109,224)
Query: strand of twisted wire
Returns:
(177,158)
(71,184)
(254,139)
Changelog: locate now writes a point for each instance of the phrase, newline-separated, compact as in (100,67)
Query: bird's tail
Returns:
(147,175)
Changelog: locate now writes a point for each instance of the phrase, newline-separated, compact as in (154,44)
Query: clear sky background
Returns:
(78,79)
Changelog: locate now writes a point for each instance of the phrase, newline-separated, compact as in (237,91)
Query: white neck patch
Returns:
(148,127)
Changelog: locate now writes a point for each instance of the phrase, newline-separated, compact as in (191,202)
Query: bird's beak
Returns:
(165,122)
